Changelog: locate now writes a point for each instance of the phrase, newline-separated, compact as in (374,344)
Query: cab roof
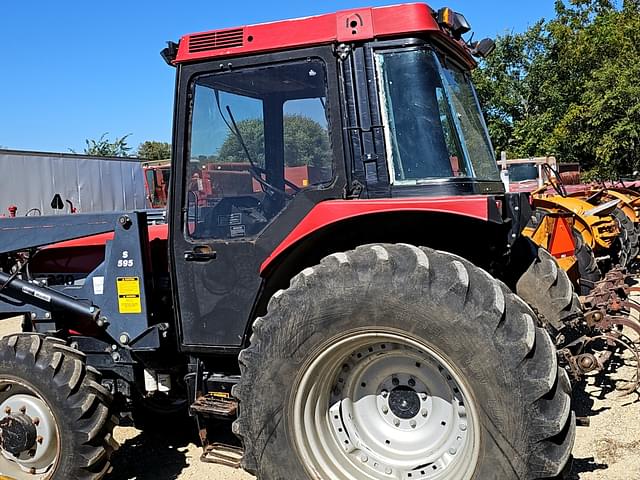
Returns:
(346,26)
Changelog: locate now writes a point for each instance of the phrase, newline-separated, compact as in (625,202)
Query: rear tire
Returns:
(63,396)
(296,414)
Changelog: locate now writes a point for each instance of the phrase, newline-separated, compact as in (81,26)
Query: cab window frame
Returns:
(186,85)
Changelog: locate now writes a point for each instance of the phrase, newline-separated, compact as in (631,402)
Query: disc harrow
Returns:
(604,332)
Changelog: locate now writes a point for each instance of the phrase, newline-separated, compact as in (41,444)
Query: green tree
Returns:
(568,86)
(305,142)
(103,147)
(510,83)
(152,150)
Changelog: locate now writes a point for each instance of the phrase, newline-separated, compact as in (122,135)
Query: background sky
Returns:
(73,70)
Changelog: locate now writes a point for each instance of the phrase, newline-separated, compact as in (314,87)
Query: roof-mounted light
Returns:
(483,48)
(453,21)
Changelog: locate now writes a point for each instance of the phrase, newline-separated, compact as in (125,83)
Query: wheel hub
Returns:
(28,437)
(404,402)
(17,433)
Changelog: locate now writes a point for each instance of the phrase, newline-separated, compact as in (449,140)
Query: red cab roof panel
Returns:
(345,26)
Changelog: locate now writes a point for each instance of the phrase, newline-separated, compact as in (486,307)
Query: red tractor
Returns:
(343,277)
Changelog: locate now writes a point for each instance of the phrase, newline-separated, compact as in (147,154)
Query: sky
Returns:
(73,70)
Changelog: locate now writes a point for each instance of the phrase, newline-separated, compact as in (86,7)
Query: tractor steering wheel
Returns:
(554,179)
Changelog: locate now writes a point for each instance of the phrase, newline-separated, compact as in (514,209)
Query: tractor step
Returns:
(222,455)
(215,406)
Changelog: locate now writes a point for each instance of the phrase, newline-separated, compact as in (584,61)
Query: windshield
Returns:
(435,127)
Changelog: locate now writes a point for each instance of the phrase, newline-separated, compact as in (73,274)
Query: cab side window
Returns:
(259,136)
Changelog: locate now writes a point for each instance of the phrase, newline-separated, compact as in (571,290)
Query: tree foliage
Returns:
(152,150)
(103,147)
(569,87)
(305,142)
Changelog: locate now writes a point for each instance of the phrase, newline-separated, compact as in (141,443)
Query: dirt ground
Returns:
(607,450)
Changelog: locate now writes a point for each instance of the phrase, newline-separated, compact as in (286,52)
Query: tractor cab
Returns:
(274,120)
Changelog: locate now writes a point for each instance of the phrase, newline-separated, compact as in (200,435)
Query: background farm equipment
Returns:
(571,226)
(603,226)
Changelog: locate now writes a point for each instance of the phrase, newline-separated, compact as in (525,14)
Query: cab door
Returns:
(255,151)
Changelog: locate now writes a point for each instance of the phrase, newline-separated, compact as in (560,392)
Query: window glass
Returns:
(472,124)
(523,172)
(434,124)
(259,136)
(423,141)
(307,152)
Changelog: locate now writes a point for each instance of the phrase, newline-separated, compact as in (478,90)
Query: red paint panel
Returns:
(156,232)
(344,26)
(332,211)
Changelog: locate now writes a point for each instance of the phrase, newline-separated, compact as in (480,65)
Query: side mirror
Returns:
(57,203)
(483,48)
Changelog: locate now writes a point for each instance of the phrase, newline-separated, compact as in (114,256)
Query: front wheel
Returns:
(55,419)
(399,362)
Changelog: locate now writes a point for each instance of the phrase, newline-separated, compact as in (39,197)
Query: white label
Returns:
(36,294)
(98,285)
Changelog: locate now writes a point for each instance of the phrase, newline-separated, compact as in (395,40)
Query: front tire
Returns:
(53,402)
(477,393)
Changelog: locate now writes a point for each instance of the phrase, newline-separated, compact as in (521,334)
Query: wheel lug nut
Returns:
(23,409)
(423,396)
(425,413)
(385,409)
(412,423)
(453,451)
(364,458)
(385,394)
(463,427)
(36,421)
(396,422)
(412,382)
(388,470)
(395,381)
(39,439)
(7,410)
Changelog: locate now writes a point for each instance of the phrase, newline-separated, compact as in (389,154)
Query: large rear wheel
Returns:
(399,362)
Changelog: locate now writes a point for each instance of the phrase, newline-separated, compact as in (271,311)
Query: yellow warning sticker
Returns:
(220,394)
(129,295)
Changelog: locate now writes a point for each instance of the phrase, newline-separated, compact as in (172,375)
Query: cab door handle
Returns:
(200,253)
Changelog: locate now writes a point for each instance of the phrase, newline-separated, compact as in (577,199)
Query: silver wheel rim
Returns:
(384,405)
(38,463)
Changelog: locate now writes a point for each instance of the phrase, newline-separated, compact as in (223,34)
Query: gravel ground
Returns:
(607,450)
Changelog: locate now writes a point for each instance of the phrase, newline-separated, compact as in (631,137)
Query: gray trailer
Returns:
(88,184)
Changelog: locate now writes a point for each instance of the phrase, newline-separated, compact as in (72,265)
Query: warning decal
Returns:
(129,295)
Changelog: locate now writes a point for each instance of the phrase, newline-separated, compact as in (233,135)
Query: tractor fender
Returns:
(332,212)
